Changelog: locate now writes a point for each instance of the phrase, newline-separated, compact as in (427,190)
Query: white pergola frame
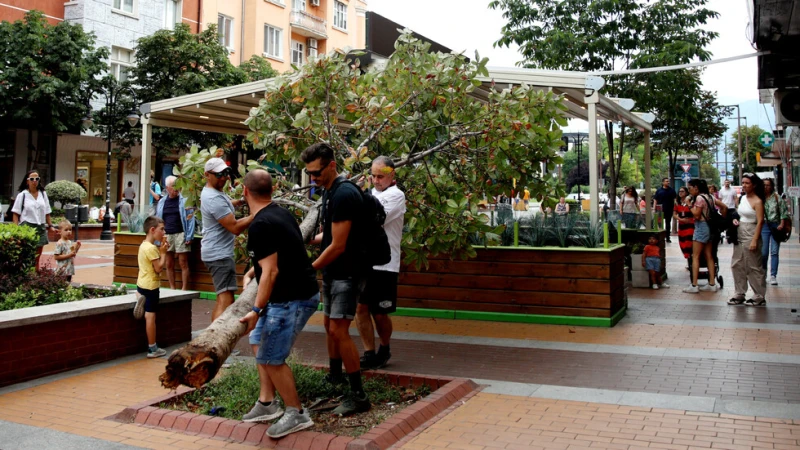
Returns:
(224,110)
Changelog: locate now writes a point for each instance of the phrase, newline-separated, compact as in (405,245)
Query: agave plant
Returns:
(591,235)
(561,228)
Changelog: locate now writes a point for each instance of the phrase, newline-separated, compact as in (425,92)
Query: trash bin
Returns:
(71,213)
(83,213)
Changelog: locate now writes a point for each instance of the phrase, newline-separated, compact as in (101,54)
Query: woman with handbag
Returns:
(32,208)
(776,226)
(629,207)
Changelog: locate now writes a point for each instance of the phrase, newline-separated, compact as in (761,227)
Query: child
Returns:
(651,260)
(66,250)
(151,260)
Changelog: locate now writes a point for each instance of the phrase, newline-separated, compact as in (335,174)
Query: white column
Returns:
(647,183)
(144,172)
(594,172)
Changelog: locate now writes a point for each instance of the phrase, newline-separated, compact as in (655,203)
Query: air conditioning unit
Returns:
(787,107)
(312,52)
(314,2)
(311,43)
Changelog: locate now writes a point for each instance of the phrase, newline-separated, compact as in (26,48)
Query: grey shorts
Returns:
(223,273)
(340,297)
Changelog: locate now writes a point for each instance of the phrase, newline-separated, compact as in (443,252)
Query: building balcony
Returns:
(308,25)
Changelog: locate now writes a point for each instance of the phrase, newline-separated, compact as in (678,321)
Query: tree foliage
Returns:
(171,63)
(750,147)
(603,35)
(45,72)
(447,145)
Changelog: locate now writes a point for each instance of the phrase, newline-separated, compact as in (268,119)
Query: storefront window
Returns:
(90,172)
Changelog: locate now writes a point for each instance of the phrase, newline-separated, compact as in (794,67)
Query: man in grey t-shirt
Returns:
(220,227)
(129,193)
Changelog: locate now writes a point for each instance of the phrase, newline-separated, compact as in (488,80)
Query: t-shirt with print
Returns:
(342,204)
(148,278)
(275,230)
(65,266)
(217,242)
(700,202)
(651,250)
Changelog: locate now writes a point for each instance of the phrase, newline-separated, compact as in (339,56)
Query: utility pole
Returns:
(746,144)
(739,137)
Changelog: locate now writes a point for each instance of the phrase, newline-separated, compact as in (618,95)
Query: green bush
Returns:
(17,247)
(64,191)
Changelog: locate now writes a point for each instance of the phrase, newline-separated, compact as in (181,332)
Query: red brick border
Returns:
(447,391)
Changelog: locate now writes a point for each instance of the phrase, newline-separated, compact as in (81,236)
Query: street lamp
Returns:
(112,95)
(577,141)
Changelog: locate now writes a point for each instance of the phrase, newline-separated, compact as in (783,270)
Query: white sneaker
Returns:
(663,285)
(709,288)
(773,281)
(655,286)
(691,290)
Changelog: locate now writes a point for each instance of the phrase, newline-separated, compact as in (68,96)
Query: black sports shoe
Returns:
(338,380)
(382,359)
(368,361)
(353,405)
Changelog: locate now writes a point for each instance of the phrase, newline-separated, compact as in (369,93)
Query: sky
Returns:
(470,25)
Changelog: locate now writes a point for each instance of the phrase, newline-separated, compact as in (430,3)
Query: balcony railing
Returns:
(316,25)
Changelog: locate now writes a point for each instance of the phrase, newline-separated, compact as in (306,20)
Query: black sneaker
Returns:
(338,380)
(382,359)
(369,361)
(353,404)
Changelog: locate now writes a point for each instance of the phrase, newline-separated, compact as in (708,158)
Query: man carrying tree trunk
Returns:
(287,296)
(380,295)
(343,280)
(220,227)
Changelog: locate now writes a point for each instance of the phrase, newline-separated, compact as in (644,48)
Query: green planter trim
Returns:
(610,248)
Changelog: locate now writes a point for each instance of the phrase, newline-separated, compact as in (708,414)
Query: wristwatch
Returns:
(261,312)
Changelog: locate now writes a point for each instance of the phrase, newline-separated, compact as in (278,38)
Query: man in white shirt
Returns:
(380,295)
(728,195)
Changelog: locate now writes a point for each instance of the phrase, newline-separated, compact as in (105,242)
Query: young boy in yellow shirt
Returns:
(151,260)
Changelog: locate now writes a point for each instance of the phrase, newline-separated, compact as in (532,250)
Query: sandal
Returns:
(754,302)
(736,301)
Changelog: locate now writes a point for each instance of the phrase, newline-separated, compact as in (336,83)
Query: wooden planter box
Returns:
(126,265)
(44,340)
(575,286)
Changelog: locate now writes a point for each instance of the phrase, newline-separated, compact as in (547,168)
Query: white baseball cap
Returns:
(216,165)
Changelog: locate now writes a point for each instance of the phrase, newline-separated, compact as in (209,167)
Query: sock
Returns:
(355,383)
(383,350)
(265,404)
(335,367)
(153,347)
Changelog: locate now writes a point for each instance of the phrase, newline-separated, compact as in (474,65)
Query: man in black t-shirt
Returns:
(665,196)
(287,296)
(343,280)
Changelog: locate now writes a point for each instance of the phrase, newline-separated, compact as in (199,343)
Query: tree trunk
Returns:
(198,362)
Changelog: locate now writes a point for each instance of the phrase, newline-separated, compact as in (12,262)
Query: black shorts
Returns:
(381,292)
(151,297)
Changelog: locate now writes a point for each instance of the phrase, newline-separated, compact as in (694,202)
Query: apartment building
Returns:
(286,32)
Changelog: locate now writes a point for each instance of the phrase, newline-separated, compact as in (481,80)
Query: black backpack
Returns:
(374,249)
(716,222)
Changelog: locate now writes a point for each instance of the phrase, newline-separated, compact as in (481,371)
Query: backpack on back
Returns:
(716,222)
(374,249)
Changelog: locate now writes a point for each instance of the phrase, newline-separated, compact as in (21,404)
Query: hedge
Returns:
(17,247)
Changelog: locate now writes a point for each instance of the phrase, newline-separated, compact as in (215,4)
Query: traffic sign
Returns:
(723,174)
(766,139)
(793,191)
(686,167)
(686,177)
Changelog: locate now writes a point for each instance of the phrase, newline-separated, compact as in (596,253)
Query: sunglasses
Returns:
(224,173)
(34,179)
(314,173)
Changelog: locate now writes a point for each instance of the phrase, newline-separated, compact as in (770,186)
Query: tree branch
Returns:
(421,155)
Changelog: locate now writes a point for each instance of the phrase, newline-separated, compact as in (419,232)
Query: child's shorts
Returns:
(151,297)
(653,263)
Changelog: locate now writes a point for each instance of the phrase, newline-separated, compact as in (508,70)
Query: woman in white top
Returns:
(32,208)
(629,207)
(746,262)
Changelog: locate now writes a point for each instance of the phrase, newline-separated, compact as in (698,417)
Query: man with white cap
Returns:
(220,227)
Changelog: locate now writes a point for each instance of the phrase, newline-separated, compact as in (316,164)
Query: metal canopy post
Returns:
(648,207)
(144,175)
(594,179)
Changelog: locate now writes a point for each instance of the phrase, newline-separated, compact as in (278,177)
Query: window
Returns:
(299,5)
(272,41)
(225,30)
(121,62)
(339,15)
(297,53)
(172,13)
(124,5)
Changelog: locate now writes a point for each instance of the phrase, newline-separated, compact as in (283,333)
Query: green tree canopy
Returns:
(750,147)
(604,35)
(45,72)
(448,146)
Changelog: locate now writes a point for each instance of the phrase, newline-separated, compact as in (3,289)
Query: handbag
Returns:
(781,235)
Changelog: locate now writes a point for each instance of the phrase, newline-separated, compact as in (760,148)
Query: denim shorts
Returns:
(340,297)
(653,263)
(702,233)
(280,327)
(223,274)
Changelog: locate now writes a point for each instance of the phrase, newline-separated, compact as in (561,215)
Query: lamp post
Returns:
(111,94)
(577,141)
(739,136)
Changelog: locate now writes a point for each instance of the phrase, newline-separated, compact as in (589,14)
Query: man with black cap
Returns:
(220,227)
